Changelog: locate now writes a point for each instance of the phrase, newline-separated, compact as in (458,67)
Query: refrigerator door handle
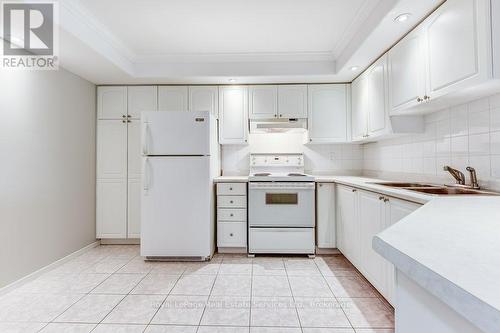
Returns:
(145,130)
(146,175)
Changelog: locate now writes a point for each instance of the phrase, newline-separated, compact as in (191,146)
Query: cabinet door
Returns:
(371,215)
(396,210)
(292,101)
(134,208)
(141,98)
(378,115)
(455,45)
(173,98)
(406,68)
(359,104)
(134,154)
(347,224)
(325,217)
(111,208)
(204,98)
(263,102)
(111,149)
(233,115)
(111,102)
(328,111)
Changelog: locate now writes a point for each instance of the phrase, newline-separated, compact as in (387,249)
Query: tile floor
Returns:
(111,289)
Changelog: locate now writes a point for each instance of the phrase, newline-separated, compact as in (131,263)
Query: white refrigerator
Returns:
(181,158)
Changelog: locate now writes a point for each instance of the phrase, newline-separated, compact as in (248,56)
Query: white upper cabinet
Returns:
(263,102)
(204,98)
(112,149)
(376,103)
(325,217)
(233,115)
(141,98)
(111,102)
(172,98)
(359,95)
(292,101)
(328,110)
(456,46)
(406,64)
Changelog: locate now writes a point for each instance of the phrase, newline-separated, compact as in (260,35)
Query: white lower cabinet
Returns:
(360,216)
(232,217)
(111,208)
(325,216)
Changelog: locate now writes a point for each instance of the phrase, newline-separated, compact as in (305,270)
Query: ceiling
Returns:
(211,41)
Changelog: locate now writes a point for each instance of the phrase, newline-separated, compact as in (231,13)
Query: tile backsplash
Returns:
(460,136)
(319,159)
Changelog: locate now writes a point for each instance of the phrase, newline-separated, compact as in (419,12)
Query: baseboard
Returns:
(120,241)
(49,267)
(232,250)
(326,251)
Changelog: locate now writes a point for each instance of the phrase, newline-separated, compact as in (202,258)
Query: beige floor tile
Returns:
(181,310)
(235,268)
(35,307)
(172,268)
(137,265)
(222,329)
(113,328)
(156,284)
(367,313)
(135,309)
(321,312)
(274,330)
(309,286)
(194,285)
(205,268)
(68,328)
(170,329)
(21,327)
(270,286)
(108,265)
(232,285)
(226,310)
(65,283)
(120,284)
(350,286)
(327,330)
(274,311)
(269,266)
(90,309)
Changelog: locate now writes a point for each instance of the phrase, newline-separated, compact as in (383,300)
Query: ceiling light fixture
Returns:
(354,68)
(402,17)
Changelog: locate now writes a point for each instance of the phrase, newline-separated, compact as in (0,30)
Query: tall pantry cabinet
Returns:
(119,158)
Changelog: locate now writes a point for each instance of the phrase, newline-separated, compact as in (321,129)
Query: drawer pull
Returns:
(231,214)
(231,234)
(231,201)
(230,189)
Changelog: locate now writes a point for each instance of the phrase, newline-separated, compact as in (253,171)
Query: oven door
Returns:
(281,204)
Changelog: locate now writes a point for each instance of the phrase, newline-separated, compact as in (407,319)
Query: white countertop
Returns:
(451,247)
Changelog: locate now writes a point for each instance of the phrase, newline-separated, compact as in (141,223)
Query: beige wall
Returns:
(47,169)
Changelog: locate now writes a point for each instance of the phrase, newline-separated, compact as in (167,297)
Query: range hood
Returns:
(289,125)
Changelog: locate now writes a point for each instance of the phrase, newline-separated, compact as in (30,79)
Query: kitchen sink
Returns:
(452,191)
(408,185)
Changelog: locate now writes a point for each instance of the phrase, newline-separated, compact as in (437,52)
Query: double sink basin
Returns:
(434,189)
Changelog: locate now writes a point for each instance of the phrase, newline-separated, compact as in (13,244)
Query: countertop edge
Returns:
(478,312)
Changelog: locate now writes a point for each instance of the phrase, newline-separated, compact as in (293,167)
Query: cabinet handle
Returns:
(124,116)
(320,185)
(231,214)
(230,189)
(354,190)
(129,116)
(310,140)
(426,97)
(231,234)
(281,115)
(419,99)
(124,121)
(381,198)
(386,200)
(129,121)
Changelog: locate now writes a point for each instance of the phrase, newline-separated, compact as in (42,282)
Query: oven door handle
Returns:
(288,187)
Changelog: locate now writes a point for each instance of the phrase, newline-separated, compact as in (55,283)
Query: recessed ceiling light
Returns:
(232,80)
(402,17)
(354,68)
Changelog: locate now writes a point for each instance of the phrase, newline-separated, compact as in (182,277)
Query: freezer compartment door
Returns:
(281,240)
(176,214)
(175,133)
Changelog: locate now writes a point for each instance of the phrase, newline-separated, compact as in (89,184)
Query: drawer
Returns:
(231,234)
(231,189)
(238,214)
(281,240)
(231,201)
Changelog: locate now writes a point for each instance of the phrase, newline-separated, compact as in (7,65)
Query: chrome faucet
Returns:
(473,178)
(457,174)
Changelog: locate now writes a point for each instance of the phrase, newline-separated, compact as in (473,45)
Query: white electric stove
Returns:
(281,205)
